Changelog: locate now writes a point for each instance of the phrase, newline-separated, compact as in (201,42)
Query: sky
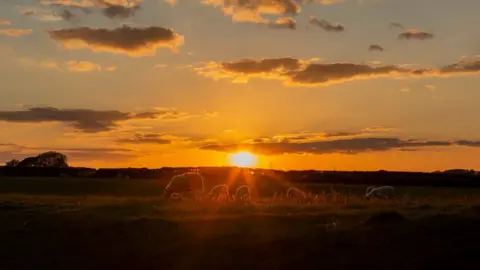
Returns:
(303,84)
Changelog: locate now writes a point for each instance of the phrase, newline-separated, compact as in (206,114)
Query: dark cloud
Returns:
(299,72)
(149,138)
(66,6)
(118,11)
(262,65)
(396,25)
(341,134)
(469,143)
(325,73)
(326,25)
(126,39)
(415,34)
(85,120)
(284,23)
(375,47)
(345,146)
(66,15)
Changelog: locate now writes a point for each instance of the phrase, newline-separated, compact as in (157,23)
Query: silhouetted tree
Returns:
(13,163)
(47,159)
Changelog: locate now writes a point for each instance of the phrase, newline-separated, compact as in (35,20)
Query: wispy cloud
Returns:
(396,25)
(375,47)
(415,34)
(326,25)
(71,65)
(147,138)
(15,32)
(4,22)
(284,23)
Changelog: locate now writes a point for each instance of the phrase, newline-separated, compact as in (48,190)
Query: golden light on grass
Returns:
(243,159)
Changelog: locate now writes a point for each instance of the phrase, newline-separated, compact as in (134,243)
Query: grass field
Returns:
(58,223)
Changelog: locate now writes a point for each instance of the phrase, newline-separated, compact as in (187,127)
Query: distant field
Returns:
(62,223)
(154,187)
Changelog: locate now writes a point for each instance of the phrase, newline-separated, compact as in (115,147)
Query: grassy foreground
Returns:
(121,229)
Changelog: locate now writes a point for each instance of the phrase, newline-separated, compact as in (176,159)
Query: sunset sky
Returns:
(304,84)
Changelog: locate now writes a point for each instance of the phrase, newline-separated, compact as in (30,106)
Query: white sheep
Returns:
(243,193)
(185,183)
(297,194)
(219,192)
(384,192)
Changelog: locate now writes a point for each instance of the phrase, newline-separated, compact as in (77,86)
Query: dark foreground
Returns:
(38,234)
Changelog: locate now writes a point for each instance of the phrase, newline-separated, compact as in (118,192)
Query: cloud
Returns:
(47,15)
(118,10)
(47,64)
(68,3)
(256,10)
(379,129)
(84,6)
(85,120)
(430,87)
(252,10)
(344,146)
(71,65)
(405,89)
(375,47)
(326,25)
(15,32)
(82,66)
(304,72)
(148,138)
(284,23)
(4,22)
(415,34)
(28,12)
(211,114)
(396,25)
(469,143)
(126,39)
(67,15)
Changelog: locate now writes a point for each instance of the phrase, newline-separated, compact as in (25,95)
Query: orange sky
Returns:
(345,85)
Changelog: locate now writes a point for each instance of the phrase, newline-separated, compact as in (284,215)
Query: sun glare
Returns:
(243,159)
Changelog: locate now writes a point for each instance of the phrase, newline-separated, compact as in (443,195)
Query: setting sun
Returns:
(243,159)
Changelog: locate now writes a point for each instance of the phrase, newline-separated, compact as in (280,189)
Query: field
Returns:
(61,223)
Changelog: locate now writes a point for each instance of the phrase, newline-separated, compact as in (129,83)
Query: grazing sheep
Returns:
(385,192)
(220,193)
(185,183)
(297,194)
(243,193)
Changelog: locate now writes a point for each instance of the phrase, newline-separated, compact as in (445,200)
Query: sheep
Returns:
(219,192)
(299,195)
(243,193)
(384,192)
(185,183)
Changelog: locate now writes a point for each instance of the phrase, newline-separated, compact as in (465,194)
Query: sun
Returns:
(243,159)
